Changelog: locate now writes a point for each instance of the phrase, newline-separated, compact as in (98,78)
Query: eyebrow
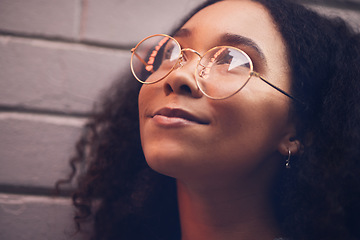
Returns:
(228,39)
(183,32)
(236,40)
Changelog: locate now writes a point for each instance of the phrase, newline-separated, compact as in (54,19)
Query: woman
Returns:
(272,154)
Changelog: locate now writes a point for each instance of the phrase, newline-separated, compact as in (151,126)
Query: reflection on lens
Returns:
(154,58)
(223,71)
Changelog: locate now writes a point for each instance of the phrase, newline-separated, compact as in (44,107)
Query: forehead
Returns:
(241,17)
(233,15)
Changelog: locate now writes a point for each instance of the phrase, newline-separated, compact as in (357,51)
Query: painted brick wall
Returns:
(56,58)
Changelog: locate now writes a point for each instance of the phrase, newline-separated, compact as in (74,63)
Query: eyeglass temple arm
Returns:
(141,60)
(280,90)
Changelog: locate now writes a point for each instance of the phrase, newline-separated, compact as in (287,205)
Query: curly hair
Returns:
(318,198)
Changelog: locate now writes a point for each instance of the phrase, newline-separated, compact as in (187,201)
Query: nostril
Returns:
(185,89)
(168,89)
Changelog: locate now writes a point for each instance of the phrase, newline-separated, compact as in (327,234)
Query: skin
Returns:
(224,162)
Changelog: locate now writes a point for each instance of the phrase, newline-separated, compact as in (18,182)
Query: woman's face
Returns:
(188,136)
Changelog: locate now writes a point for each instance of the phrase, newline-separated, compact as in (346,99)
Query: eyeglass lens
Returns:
(154,58)
(220,73)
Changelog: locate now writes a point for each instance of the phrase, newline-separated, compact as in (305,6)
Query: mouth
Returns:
(176,113)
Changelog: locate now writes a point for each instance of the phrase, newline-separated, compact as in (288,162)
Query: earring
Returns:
(287,162)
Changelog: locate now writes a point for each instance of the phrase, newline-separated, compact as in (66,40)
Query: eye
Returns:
(257,61)
(168,51)
(223,58)
(171,51)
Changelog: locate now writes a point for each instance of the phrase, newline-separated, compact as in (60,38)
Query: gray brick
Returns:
(35,149)
(56,76)
(124,22)
(41,17)
(34,217)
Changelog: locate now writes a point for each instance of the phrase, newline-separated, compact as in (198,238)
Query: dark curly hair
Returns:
(318,198)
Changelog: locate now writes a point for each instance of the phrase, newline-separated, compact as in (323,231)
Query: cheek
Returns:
(250,128)
(143,99)
(151,144)
(146,98)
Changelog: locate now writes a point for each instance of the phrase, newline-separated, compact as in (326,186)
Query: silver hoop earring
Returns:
(287,162)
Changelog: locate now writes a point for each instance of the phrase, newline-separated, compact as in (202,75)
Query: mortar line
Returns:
(87,43)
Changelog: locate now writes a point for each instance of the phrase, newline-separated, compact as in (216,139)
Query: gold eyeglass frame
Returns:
(180,59)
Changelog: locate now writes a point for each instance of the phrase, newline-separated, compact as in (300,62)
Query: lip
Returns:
(177,117)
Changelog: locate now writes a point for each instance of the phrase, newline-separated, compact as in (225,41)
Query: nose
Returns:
(182,79)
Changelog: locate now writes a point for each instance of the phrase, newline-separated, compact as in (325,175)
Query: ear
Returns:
(290,142)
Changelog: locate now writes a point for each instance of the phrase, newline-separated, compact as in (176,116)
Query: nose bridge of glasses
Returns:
(190,50)
(183,53)
(184,58)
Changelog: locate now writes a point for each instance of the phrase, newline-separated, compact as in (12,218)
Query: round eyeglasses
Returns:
(220,73)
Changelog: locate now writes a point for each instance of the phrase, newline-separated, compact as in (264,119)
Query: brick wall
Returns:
(56,58)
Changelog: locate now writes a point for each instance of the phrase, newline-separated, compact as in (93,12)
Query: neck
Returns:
(225,213)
